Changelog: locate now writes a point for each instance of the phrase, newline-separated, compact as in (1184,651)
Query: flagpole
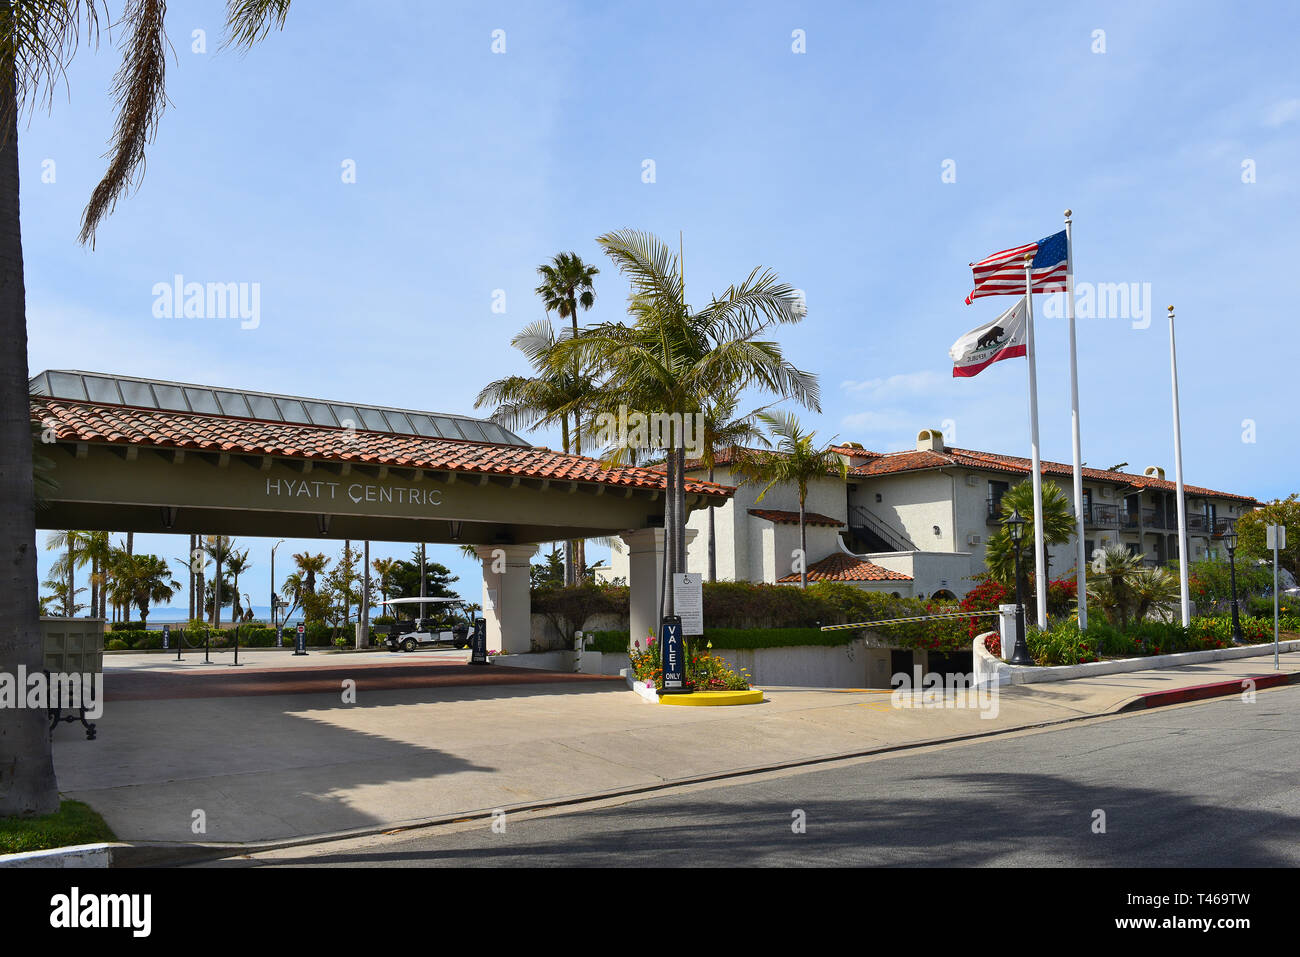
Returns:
(1081,548)
(1183,588)
(1040,572)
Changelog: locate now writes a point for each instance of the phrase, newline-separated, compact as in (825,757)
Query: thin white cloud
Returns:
(1282,112)
(892,421)
(904,383)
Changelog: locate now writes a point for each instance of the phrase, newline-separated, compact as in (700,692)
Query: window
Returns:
(996,491)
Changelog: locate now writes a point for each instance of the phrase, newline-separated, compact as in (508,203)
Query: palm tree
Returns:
(237,563)
(310,566)
(566,286)
(383,568)
(673,360)
(146,579)
(61,597)
(555,392)
(1125,589)
(98,551)
(722,430)
(37,41)
(73,544)
(294,587)
(218,547)
(1058,527)
(796,460)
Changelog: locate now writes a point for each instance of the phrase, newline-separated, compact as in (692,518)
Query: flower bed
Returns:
(704,670)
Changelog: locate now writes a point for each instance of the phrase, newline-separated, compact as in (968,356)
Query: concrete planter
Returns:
(585,662)
(79,855)
(73,645)
(989,669)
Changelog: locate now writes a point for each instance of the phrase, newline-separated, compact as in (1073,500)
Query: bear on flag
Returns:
(1003,338)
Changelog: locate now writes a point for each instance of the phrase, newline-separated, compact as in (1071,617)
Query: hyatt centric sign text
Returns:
(356,492)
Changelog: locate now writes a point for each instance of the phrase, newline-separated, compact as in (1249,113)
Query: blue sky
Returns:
(473,167)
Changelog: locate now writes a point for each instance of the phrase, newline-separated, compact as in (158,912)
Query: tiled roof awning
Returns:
(782,517)
(847,568)
(91,422)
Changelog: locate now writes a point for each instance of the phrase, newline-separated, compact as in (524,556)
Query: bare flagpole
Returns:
(1183,588)
(1040,571)
(1081,548)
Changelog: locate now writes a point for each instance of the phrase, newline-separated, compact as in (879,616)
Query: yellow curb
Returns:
(702,699)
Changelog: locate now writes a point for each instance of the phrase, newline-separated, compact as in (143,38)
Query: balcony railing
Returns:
(993,511)
(1103,516)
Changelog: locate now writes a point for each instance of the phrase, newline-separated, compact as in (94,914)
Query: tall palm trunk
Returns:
(69,609)
(200,584)
(670,530)
(27,784)
(803,546)
(216,586)
(713,547)
(679,513)
(579,545)
(569,576)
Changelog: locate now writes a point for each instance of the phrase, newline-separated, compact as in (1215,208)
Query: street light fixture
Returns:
(1230,541)
(1015,525)
(275,620)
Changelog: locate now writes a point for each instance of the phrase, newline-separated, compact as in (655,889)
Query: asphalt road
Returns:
(1216,783)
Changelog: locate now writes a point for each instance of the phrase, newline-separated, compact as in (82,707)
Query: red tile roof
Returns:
(840,567)
(123,425)
(782,517)
(911,461)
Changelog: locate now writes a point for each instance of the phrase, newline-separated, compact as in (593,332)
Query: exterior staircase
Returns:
(870,533)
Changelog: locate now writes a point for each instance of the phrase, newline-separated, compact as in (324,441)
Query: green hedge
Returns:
(250,636)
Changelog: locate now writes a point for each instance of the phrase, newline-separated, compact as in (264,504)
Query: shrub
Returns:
(116,644)
(569,609)
(608,642)
(126,626)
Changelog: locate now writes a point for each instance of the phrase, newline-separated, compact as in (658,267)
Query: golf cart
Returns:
(441,625)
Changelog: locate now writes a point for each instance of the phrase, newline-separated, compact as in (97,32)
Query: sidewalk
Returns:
(278,767)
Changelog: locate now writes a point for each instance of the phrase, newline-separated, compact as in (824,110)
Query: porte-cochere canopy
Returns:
(150,456)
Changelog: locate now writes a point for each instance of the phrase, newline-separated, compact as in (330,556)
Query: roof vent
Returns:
(929,440)
(1154,471)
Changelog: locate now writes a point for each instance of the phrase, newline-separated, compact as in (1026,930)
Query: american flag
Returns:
(1003,273)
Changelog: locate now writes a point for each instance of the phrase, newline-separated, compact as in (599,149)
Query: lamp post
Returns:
(1016,529)
(1230,540)
(275,620)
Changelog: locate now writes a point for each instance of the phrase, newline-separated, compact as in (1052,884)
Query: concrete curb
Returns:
(993,670)
(1215,689)
(76,855)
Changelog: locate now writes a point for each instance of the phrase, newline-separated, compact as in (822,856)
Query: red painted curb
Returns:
(1213,690)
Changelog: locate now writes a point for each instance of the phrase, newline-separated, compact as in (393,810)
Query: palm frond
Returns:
(249,21)
(138,90)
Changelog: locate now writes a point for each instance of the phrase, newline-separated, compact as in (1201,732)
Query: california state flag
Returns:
(1003,338)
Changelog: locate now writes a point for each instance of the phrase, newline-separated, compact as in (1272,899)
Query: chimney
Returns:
(1154,471)
(929,440)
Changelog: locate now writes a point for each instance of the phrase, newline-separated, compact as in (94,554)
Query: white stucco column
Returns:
(507,605)
(645,548)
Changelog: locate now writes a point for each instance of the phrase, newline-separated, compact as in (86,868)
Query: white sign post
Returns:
(688,602)
(1275,538)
